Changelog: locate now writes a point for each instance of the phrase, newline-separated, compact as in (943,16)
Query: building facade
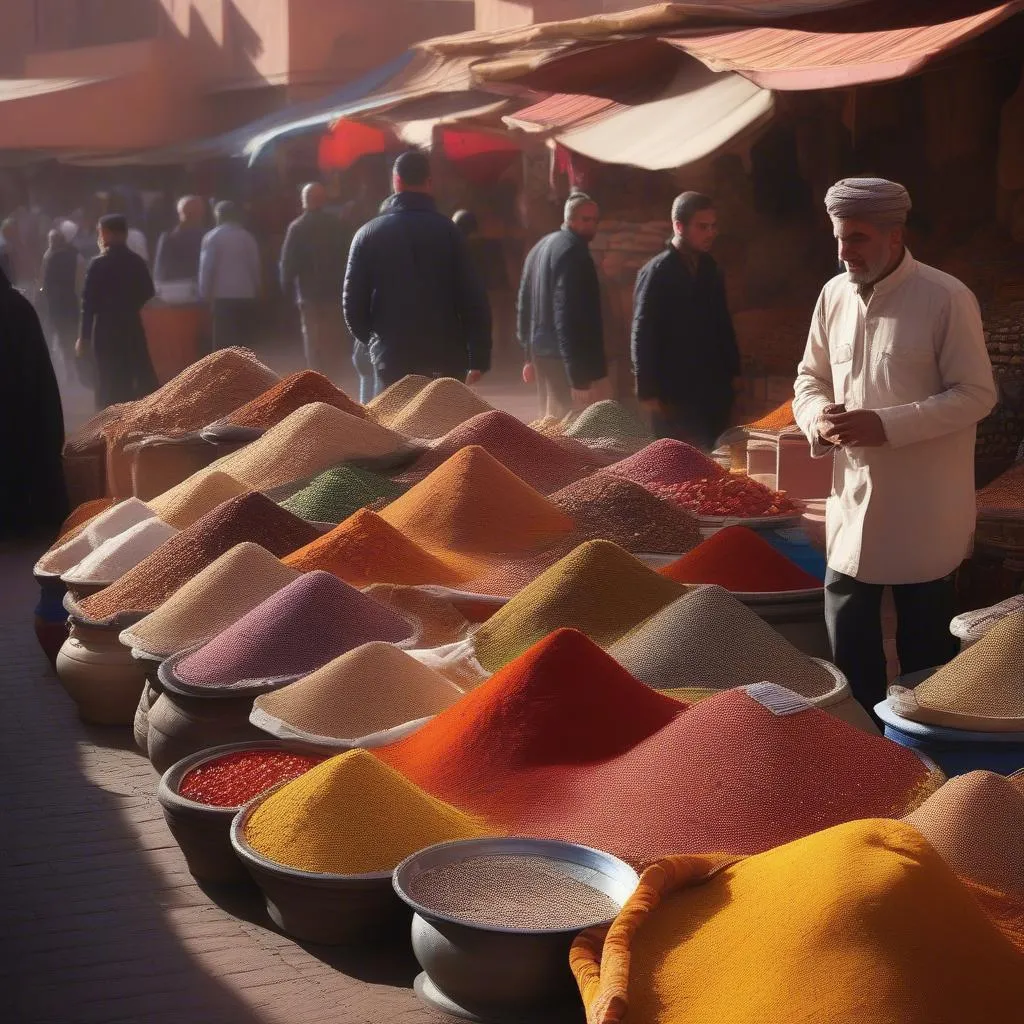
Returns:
(124,74)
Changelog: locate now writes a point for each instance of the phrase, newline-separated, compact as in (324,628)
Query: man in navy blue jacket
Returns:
(684,348)
(411,293)
(560,326)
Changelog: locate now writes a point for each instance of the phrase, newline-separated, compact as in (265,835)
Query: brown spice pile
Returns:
(267,410)
(250,517)
(608,508)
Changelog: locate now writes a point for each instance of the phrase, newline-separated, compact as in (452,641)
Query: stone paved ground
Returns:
(101,922)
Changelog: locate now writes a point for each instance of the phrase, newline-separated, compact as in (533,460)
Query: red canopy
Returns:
(347,141)
(478,157)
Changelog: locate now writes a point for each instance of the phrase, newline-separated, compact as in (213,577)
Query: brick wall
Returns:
(1001,434)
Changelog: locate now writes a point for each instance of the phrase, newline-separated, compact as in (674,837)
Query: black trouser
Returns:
(853,614)
(233,322)
(699,427)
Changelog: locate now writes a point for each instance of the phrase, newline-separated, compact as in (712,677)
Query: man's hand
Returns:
(474,377)
(80,347)
(862,428)
(529,373)
(652,406)
(826,425)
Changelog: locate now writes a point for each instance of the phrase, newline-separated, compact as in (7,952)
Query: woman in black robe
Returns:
(32,492)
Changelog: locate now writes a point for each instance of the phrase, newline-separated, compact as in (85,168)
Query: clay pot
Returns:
(51,620)
(204,832)
(180,725)
(100,675)
(151,690)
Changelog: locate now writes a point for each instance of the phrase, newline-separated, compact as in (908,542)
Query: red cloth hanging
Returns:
(479,157)
(347,141)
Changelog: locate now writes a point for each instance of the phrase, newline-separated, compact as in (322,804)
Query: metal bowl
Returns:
(203,831)
(500,974)
(312,906)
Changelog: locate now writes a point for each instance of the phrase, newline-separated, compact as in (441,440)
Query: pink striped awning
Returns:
(800,58)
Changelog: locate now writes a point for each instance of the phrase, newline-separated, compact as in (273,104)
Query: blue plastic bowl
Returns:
(796,546)
(955,751)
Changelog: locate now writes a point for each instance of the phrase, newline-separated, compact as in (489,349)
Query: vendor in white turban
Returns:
(874,199)
(894,379)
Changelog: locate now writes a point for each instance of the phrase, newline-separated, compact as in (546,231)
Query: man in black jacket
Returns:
(412,295)
(560,325)
(684,349)
(117,286)
(313,260)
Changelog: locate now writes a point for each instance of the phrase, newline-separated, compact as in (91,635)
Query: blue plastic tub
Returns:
(796,546)
(955,751)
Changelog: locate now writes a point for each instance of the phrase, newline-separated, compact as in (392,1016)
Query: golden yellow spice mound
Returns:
(862,922)
(353,815)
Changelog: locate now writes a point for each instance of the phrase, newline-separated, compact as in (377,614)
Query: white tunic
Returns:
(915,353)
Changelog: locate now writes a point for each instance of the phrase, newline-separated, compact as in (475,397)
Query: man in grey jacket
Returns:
(313,260)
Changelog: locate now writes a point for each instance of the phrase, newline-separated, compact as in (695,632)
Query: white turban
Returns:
(868,199)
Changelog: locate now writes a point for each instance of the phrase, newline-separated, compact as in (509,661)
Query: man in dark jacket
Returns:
(313,261)
(412,295)
(177,251)
(117,286)
(32,492)
(560,326)
(684,349)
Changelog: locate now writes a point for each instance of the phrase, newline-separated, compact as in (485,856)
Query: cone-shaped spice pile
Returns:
(251,517)
(598,589)
(293,632)
(212,600)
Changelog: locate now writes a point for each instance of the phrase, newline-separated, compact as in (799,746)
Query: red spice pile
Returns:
(741,561)
(557,747)
(730,775)
(249,517)
(235,779)
(730,495)
(544,464)
(666,462)
(562,704)
(302,388)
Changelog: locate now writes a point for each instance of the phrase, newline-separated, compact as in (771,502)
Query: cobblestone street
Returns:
(103,923)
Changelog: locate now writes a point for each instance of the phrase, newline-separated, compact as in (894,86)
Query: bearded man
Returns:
(893,382)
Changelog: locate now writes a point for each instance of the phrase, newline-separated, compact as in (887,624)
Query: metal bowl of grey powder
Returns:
(494,920)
